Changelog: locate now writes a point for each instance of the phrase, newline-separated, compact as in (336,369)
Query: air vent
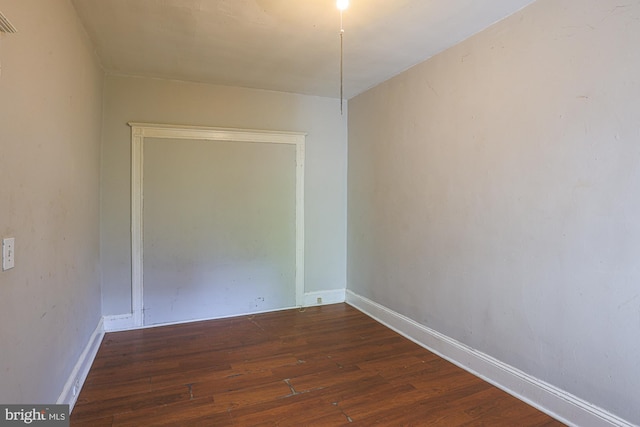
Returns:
(5,25)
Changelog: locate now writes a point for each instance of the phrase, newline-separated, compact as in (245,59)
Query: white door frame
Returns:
(140,131)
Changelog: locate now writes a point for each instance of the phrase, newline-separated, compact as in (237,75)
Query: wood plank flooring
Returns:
(321,366)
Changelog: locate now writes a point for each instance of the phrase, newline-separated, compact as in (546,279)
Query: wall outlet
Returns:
(8,253)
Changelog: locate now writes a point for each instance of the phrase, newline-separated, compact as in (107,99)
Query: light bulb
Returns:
(342,4)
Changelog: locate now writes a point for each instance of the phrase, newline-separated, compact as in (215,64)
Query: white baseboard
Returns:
(126,322)
(556,402)
(310,299)
(78,375)
(334,296)
(119,322)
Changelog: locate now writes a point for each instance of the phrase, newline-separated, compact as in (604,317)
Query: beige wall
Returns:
(162,101)
(50,113)
(494,196)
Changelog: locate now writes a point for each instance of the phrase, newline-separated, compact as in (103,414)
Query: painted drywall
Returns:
(493,196)
(219,228)
(50,117)
(162,101)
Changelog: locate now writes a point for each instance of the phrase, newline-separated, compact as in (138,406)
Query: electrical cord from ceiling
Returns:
(342,5)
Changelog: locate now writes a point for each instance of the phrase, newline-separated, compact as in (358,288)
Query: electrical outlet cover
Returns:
(8,253)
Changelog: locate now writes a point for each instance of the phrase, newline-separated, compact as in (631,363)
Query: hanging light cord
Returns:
(341,62)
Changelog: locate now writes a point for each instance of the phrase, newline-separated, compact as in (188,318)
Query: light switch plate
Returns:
(8,253)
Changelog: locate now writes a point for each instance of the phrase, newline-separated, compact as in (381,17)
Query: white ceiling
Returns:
(283,45)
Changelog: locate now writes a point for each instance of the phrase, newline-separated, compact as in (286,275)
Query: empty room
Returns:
(276,212)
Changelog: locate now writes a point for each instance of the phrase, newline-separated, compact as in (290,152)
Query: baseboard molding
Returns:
(334,296)
(125,322)
(79,373)
(556,402)
(119,322)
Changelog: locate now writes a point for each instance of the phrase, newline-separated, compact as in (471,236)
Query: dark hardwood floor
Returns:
(320,366)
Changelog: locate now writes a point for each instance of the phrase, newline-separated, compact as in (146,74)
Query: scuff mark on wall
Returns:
(629,301)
